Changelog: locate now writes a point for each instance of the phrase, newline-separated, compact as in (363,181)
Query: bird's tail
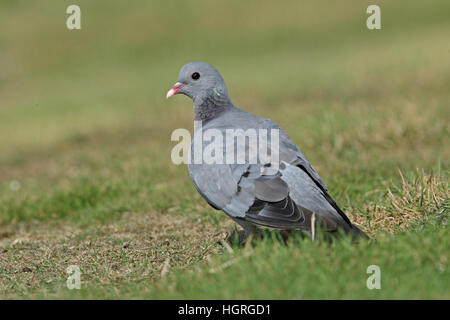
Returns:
(358,233)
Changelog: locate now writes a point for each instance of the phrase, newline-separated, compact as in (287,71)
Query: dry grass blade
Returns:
(405,205)
(165,268)
(229,263)
(313,226)
(226,246)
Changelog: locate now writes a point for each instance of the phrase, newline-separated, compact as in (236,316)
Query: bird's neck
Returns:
(210,107)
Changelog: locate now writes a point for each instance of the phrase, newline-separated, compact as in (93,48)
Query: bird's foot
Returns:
(242,237)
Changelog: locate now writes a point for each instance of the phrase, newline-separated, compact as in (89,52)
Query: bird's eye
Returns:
(195,76)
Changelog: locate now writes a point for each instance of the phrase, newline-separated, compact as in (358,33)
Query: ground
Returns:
(85,172)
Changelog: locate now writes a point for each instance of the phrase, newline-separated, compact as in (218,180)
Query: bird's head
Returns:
(200,81)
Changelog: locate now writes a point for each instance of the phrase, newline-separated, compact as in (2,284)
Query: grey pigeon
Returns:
(291,196)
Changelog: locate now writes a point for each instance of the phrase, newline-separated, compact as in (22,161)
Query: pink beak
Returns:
(176,87)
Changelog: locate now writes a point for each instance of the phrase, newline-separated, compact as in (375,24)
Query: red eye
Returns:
(195,76)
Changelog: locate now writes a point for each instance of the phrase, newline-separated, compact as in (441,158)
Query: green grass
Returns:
(305,270)
(85,170)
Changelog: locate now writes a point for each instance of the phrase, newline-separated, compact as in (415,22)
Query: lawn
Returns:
(86,176)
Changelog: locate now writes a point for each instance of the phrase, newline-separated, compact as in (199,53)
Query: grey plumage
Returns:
(284,195)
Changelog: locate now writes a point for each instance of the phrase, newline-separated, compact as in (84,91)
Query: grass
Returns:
(85,171)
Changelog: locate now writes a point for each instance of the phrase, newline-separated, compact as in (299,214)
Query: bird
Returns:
(286,194)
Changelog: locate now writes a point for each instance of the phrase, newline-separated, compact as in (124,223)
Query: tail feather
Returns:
(358,233)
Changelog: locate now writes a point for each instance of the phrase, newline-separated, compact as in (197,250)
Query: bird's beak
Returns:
(175,89)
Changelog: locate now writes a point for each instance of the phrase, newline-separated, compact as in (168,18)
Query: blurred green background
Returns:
(58,84)
(85,127)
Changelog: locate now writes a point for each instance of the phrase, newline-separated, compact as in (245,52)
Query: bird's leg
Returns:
(243,236)
(285,235)
(239,236)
